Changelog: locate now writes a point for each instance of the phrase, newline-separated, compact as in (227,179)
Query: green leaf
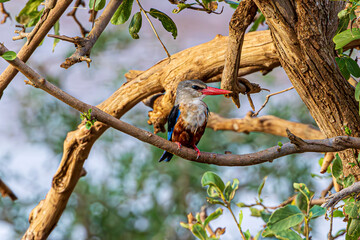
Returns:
(344,19)
(301,202)
(338,213)
(213,192)
(135,25)
(346,128)
(9,55)
(288,234)
(214,201)
(28,12)
(184,225)
(353,228)
(230,190)
(232,4)
(198,231)
(2,1)
(261,186)
(123,13)
(99,4)
(212,179)
(345,37)
(352,67)
(255,212)
(240,204)
(247,234)
(342,67)
(166,21)
(301,187)
(285,218)
(57,32)
(88,125)
(182,6)
(218,212)
(317,211)
(337,168)
(241,216)
(352,209)
(357,92)
(265,215)
(349,180)
(257,22)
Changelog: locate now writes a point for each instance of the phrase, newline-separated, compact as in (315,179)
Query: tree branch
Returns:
(6,191)
(69,172)
(83,50)
(336,197)
(241,19)
(266,124)
(4,12)
(26,51)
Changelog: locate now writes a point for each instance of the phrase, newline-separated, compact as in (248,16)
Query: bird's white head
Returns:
(192,90)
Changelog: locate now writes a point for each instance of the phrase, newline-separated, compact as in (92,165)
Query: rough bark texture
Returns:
(240,20)
(265,124)
(302,32)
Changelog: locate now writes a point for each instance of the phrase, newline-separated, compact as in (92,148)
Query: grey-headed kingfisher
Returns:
(188,118)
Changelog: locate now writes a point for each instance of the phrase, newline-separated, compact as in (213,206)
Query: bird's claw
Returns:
(198,152)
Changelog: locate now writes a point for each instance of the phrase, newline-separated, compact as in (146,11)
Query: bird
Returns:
(188,117)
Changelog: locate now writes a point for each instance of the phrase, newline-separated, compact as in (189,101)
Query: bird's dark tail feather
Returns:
(166,157)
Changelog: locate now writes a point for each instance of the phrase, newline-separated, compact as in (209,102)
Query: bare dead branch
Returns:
(4,12)
(241,19)
(72,13)
(26,51)
(270,95)
(22,33)
(84,49)
(6,191)
(327,190)
(329,157)
(266,124)
(75,40)
(336,197)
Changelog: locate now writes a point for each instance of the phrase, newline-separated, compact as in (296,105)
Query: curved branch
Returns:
(333,199)
(241,19)
(28,49)
(6,191)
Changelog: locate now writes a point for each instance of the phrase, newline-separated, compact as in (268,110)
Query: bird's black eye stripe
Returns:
(196,87)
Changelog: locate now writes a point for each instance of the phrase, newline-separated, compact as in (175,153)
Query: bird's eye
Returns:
(196,87)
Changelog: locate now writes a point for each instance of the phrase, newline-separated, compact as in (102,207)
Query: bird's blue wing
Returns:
(172,119)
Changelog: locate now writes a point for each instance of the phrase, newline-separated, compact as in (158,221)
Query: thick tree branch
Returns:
(83,50)
(336,197)
(69,172)
(241,19)
(26,51)
(266,124)
(6,191)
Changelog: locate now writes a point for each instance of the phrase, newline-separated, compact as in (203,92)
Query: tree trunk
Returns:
(302,32)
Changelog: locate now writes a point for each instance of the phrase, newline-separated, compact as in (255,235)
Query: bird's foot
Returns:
(197,150)
(178,144)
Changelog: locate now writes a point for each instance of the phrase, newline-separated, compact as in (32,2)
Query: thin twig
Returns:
(22,33)
(267,99)
(333,199)
(153,28)
(73,14)
(75,40)
(327,189)
(3,11)
(6,191)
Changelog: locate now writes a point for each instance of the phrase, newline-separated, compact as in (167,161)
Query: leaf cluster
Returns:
(89,119)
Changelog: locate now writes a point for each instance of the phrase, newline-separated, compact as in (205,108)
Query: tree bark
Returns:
(302,32)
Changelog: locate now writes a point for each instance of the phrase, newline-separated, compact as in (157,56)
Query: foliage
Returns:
(9,55)
(88,118)
(287,222)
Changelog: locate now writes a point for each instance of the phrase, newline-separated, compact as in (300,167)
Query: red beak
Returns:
(214,91)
